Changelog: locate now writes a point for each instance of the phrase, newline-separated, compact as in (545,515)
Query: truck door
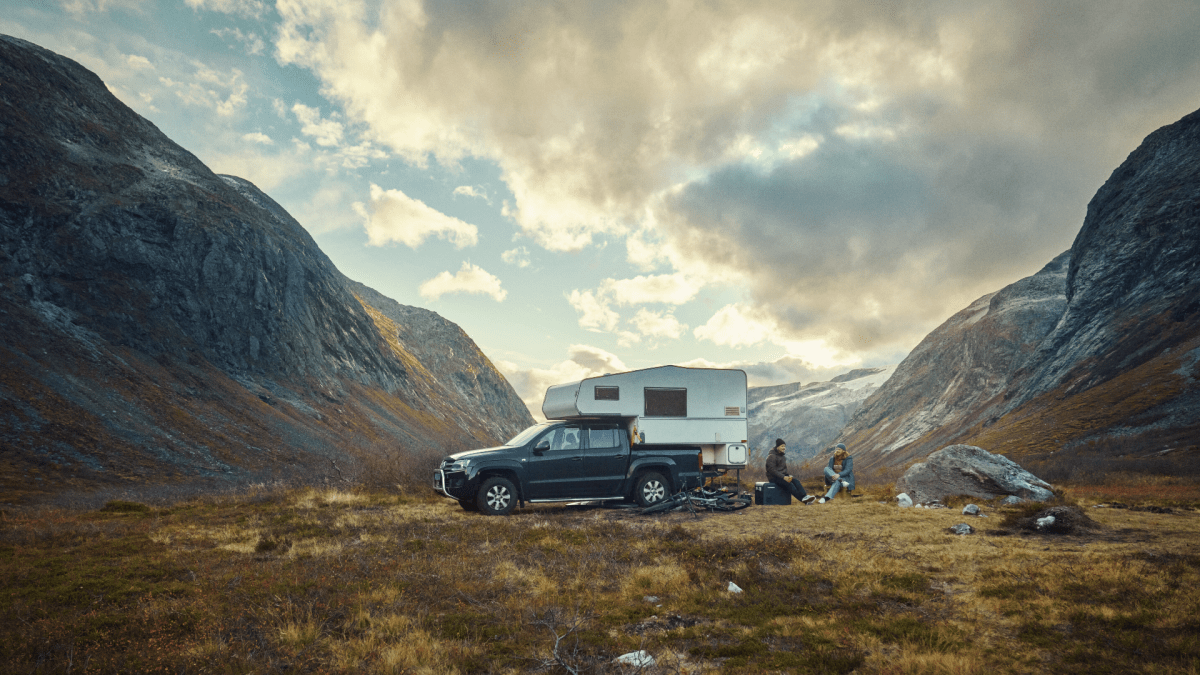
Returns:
(605,459)
(557,472)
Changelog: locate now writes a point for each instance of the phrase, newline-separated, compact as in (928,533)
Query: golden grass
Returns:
(358,582)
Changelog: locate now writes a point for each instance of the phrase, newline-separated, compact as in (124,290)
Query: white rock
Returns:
(904,500)
(970,510)
(734,588)
(1045,522)
(638,659)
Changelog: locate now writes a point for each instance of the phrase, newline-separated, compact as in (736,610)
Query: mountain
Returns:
(1095,355)
(807,416)
(164,323)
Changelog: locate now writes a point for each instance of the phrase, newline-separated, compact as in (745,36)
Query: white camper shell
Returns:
(668,405)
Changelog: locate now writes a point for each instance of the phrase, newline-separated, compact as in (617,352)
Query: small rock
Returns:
(962,528)
(971,510)
(904,500)
(638,659)
(734,588)
(650,599)
(1045,522)
(1012,500)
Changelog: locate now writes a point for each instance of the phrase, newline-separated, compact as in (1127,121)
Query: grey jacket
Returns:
(847,473)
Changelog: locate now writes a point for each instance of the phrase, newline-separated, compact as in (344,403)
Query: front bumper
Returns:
(453,485)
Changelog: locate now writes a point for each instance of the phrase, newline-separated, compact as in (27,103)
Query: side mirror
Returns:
(541,447)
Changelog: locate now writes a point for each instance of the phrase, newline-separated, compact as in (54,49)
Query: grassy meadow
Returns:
(357,581)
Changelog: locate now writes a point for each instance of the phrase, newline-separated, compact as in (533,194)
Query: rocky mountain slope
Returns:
(162,322)
(1095,356)
(808,416)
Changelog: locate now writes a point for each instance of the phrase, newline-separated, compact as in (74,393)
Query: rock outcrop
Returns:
(1099,353)
(162,322)
(971,471)
(807,416)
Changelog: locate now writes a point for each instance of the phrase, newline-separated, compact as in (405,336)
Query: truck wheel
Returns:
(651,488)
(497,496)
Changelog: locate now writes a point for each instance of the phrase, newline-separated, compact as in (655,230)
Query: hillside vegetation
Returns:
(342,580)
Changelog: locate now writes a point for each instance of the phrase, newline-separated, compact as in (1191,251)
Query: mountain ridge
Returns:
(1104,363)
(163,322)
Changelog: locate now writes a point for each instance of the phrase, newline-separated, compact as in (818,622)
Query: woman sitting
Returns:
(839,473)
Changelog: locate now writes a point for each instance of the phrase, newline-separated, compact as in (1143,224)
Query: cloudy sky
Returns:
(793,188)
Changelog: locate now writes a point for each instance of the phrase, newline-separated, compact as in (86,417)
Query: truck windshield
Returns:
(523,437)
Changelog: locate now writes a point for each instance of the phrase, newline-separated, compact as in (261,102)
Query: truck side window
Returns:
(602,438)
(608,393)
(566,438)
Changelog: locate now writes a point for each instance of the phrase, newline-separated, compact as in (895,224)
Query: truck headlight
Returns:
(457,465)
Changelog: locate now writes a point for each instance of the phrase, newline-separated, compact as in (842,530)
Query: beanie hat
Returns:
(841,446)
(778,442)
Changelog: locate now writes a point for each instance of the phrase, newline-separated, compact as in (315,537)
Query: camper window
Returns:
(608,393)
(666,402)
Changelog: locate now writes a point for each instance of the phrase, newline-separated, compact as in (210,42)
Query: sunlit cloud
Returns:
(594,314)
(469,279)
(395,217)
(657,324)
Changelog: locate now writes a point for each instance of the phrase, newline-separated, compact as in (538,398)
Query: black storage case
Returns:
(769,494)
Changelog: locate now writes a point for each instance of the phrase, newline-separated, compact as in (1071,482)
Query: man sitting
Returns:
(777,473)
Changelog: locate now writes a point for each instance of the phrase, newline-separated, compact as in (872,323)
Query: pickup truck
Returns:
(573,460)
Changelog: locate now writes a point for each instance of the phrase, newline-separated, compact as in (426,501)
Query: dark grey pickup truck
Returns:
(577,460)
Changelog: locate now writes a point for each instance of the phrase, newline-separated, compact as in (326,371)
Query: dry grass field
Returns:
(343,581)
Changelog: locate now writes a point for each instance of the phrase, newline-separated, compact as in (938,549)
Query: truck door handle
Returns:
(578,459)
(619,454)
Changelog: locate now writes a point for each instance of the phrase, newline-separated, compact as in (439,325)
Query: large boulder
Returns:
(972,471)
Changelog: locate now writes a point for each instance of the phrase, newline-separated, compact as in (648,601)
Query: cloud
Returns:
(251,42)
(583,361)
(657,324)
(139,62)
(469,279)
(471,191)
(737,326)
(258,137)
(327,133)
(674,289)
(395,217)
(518,256)
(594,314)
(741,325)
(243,8)
(224,94)
(861,170)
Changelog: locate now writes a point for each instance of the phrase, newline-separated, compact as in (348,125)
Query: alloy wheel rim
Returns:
(653,491)
(497,497)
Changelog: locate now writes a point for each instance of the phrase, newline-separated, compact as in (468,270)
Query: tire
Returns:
(496,497)
(468,505)
(651,488)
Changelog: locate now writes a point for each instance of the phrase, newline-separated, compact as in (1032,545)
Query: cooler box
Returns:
(769,494)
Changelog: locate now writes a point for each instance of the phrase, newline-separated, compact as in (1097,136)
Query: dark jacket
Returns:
(846,474)
(776,467)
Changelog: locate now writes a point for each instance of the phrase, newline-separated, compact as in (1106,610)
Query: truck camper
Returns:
(641,435)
